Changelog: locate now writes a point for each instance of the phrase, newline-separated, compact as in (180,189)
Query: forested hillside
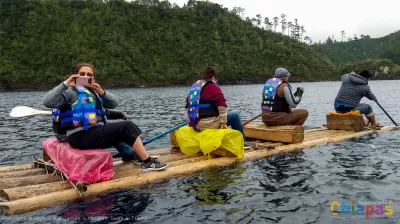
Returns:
(363,48)
(147,42)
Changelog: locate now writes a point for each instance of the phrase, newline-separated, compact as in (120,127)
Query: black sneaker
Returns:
(138,161)
(153,164)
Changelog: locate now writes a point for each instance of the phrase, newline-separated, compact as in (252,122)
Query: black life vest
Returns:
(270,100)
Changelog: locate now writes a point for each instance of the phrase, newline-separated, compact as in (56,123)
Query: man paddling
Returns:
(354,88)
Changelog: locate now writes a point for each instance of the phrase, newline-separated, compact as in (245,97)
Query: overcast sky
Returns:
(323,18)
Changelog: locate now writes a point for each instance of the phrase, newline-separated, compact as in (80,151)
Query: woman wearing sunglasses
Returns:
(81,111)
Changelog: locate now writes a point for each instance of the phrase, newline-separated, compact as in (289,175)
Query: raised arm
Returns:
(56,97)
(292,99)
(109,99)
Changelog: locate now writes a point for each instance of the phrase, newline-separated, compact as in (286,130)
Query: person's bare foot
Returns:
(366,121)
(377,126)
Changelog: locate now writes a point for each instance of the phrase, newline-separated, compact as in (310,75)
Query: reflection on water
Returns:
(211,186)
(106,209)
(291,188)
(92,208)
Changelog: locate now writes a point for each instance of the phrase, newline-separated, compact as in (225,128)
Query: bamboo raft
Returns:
(25,188)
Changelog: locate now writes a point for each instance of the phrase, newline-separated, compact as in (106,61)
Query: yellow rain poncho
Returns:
(191,141)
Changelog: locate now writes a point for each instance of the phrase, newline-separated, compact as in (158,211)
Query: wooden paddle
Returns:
(394,122)
(252,119)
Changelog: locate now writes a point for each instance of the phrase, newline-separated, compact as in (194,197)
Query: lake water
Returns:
(292,188)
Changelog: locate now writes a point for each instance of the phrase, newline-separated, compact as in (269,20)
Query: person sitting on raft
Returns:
(208,108)
(354,87)
(82,114)
(126,151)
(278,101)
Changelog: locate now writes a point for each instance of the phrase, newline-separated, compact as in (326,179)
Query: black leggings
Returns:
(105,136)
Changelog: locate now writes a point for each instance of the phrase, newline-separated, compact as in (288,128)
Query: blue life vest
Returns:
(198,108)
(83,112)
(271,101)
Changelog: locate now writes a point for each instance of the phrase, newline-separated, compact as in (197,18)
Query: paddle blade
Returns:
(23,111)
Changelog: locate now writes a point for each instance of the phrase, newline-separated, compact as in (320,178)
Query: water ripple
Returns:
(291,188)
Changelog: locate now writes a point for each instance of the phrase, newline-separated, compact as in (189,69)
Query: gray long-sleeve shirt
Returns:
(63,95)
(292,100)
(353,89)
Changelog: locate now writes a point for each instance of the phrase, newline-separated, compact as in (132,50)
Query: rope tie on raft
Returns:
(47,164)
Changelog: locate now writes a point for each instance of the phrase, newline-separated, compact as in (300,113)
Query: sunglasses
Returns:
(85,74)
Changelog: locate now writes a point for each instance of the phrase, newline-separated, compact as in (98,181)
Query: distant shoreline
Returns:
(126,86)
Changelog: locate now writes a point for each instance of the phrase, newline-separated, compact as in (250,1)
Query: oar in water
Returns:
(387,114)
(23,111)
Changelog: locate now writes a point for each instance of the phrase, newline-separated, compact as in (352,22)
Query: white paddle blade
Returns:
(23,111)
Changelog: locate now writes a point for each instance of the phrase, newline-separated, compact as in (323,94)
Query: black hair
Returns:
(366,74)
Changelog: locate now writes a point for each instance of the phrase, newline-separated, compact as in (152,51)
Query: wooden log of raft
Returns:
(16,193)
(126,169)
(137,171)
(24,181)
(164,151)
(16,168)
(265,145)
(286,134)
(22,173)
(221,152)
(184,159)
(34,203)
(345,122)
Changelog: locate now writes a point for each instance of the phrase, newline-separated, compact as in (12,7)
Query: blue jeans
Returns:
(362,107)
(233,120)
(126,151)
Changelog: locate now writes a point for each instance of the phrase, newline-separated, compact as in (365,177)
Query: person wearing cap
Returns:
(207,108)
(354,87)
(278,100)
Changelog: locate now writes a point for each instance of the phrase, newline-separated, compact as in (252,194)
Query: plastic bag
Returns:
(86,166)
(191,141)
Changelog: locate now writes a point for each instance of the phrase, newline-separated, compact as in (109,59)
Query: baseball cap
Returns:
(281,72)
